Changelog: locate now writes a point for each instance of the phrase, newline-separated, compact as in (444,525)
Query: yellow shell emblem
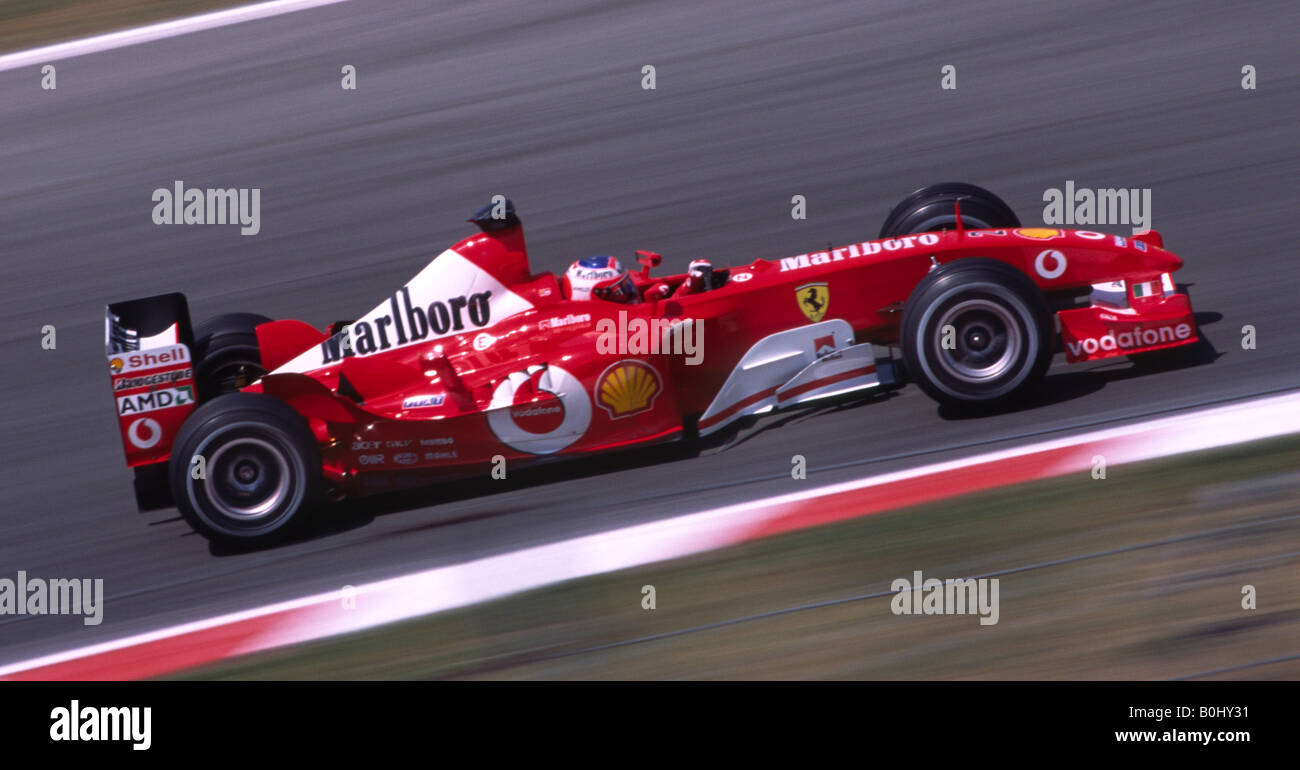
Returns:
(627,388)
(1039,233)
(115,365)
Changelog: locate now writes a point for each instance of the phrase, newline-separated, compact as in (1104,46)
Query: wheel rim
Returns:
(987,341)
(247,478)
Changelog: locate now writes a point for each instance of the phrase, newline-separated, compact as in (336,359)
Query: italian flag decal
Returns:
(1144,289)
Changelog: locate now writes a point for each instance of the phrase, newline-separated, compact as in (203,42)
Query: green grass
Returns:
(1152,612)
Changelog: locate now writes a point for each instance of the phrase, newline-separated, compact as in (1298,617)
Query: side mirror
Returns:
(648,259)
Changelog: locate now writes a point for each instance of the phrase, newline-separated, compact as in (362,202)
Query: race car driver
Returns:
(600,277)
(699,278)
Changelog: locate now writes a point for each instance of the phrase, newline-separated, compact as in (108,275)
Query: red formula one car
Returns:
(247,424)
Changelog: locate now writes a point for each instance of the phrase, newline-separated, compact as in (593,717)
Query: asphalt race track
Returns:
(755,103)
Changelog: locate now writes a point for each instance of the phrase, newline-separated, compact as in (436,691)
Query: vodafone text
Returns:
(1138,338)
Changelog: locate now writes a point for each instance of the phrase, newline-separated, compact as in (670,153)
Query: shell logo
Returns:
(628,387)
(115,365)
(1039,233)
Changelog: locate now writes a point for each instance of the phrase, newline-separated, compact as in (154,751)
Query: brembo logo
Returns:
(406,323)
(853,251)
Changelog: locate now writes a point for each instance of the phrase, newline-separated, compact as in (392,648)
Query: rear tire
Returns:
(226,353)
(934,208)
(1001,340)
(262,473)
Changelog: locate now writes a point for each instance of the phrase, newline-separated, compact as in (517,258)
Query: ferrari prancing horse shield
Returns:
(813,300)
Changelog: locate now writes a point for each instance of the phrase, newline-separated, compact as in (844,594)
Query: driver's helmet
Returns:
(699,275)
(599,277)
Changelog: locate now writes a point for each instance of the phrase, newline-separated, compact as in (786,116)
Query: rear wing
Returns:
(149,344)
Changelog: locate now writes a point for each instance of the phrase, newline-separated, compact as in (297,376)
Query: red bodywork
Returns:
(522,373)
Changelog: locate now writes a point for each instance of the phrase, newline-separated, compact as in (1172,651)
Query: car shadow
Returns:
(355,513)
(747,428)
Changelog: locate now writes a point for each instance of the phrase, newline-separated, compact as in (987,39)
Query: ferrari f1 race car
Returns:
(248,425)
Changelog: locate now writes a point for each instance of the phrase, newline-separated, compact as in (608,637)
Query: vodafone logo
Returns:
(144,433)
(1049,263)
(1130,340)
(540,411)
(538,417)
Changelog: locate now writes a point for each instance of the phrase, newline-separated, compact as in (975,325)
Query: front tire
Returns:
(261,474)
(934,208)
(976,332)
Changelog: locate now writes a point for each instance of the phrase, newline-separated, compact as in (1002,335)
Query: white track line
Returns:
(137,35)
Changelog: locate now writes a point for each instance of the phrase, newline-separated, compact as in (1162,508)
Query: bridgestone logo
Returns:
(404,324)
(127,383)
